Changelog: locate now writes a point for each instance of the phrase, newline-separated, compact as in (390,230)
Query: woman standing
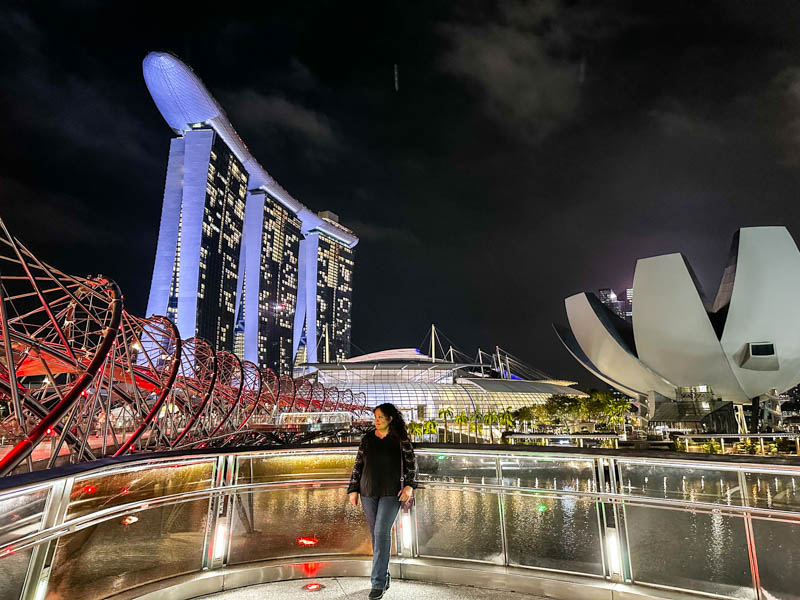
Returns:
(384,457)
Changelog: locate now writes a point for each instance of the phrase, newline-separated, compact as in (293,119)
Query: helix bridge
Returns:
(82,379)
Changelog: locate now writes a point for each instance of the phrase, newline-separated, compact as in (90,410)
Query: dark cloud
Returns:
(68,109)
(383,234)
(57,219)
(521,63)
(258,112)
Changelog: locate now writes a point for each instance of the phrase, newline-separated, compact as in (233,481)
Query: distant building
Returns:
(629,307)
(419,386)
(325,326)
(619,306)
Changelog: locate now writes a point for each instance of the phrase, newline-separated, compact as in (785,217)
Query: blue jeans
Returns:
(381,513)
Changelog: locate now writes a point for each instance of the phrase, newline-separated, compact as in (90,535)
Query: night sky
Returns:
(533,150)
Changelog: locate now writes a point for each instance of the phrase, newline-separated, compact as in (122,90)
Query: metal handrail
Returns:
(144,461)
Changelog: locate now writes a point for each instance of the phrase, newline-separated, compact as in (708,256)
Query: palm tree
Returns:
(477,428)
(444,413)
(491,418)
(414,429)
(461,420)
(477,416)
(507,418)
(614,409)
(431,427)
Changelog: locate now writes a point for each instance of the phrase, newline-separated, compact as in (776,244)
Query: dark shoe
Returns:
(375,594)
(388,581)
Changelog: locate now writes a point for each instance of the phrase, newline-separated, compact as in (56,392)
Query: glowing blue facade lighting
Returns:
(217,272)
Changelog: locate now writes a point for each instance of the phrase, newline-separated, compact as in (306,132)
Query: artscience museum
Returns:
(742,345)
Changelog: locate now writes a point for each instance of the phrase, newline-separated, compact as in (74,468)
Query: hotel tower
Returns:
(240,262)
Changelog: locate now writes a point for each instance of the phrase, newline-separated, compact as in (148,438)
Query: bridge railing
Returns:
(135,525)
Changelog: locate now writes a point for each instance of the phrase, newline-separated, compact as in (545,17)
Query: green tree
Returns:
(615,409)
(507,418)
(414,429)
(431,426)
(541,414)
(526,414)
(461,420)
(562,408)
(592,407)
(476,427)
(491,418)
(445,413)
(477,417)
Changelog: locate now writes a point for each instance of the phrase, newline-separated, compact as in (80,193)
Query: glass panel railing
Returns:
(288,467)
(457,468)
(553,532)
(296,522)
(453,523)
(539,511)
(777,546)
(548,473)
(13,568)
(129,551)
(20,515)
(680,482)
(691,550)
(776,491)
(100,491)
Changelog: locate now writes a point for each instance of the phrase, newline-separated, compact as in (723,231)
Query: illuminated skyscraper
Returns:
(323,320)
(620,307)
(269,286)
(197,261)
(240,262)
(629,305)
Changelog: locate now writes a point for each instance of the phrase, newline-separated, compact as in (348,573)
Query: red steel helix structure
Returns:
(82,379)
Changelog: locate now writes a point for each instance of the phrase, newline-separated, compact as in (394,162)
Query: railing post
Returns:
(612,541)
(218,528)
(35,587)
(750,538)
(501,507)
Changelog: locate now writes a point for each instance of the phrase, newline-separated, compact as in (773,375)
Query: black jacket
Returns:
(376,471)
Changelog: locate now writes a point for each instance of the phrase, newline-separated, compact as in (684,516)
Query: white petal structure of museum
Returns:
(743,345)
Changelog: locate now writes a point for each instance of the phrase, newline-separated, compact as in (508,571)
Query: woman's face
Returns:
(381,420)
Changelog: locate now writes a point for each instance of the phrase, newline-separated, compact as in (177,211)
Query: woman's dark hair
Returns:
(397,426)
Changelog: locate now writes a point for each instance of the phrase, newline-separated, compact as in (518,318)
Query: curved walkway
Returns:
(357,588)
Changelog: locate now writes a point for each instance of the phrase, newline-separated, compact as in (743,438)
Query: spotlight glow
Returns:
(613,550)
(406,527)
(219,540)
(313,587)
(307,541)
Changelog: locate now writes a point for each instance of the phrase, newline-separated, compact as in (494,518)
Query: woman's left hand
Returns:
(405,493)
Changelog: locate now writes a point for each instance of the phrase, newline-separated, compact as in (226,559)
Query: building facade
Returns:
(622,307)
(270,282)
(200,238)
(240,262)
(419,386)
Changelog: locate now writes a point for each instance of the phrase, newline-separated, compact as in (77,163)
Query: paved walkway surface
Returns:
(357,588)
